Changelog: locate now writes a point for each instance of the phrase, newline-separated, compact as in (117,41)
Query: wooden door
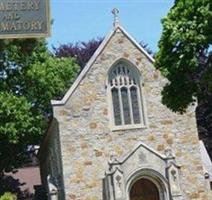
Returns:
(144,189)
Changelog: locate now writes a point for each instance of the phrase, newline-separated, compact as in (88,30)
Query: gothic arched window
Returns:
(127,104)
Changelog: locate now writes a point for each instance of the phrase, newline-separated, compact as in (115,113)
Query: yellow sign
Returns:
(24,18)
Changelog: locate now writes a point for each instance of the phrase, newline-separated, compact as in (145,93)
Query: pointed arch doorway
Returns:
(144,189)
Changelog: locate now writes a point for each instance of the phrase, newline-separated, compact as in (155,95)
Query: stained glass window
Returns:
(116,106)
(135,106)
(126,106)
(124,85)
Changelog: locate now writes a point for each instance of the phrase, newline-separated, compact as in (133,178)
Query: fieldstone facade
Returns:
(93,161)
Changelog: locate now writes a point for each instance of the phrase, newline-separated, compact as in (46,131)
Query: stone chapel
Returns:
(111,138)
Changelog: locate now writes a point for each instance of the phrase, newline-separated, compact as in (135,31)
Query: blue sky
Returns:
(82,20)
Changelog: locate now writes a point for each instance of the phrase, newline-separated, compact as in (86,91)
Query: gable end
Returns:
(93,59)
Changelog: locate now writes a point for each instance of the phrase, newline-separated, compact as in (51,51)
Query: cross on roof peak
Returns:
(115,13)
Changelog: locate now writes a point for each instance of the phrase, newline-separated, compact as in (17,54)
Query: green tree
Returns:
(30,76)
(8,196)
(184,58)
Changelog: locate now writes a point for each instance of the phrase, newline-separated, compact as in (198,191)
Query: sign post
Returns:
(24,18)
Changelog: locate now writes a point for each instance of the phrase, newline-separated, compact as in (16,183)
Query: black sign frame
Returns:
(42,34)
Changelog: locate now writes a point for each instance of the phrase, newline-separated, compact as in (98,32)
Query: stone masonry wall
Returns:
(87,141)
(50,163)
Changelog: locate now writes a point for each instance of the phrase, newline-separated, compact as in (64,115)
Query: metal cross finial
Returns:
(115,12)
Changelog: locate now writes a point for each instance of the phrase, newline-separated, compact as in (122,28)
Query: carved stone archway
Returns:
(153,182)
(142,163)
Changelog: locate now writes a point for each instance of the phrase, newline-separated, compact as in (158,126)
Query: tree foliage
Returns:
(30,76)
(82,51)
(184,51)
(185,59)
